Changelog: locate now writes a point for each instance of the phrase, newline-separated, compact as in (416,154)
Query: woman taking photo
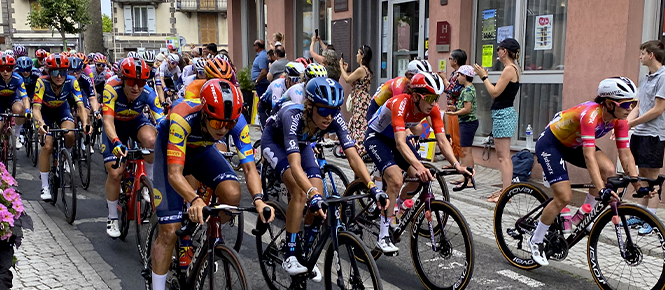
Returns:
(504,116)
(360,80)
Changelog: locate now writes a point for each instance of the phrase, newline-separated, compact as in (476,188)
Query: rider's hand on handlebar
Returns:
(380,197)
(43,129)
(28,114)
(259,204)
(317,205)
(606,194)
(98,115)
(195,211)
(119,149)
(423,173)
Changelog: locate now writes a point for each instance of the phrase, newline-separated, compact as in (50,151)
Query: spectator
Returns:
(277,39)
(210,50)
(648,141)
(277,67)
(271,56)
(504,116)
(196,52)
(361,80)
(334,71)
(453,88)
(465,111)
(260,68)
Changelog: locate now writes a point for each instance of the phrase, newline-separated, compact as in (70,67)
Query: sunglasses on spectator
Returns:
(100,64)
(57,72)
(135,82)
(327,111)
(626,105)
(219,124)
(430,98)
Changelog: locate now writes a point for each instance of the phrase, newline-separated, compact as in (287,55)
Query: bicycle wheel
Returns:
(83,154)
(68,186)
(258,157)
(352,262)
(232,231)
(440,188)
(337,152)
(516,201)
(27,132)
(123,206)
(451,265)
(364,223)
(271,246)
(270,183)
(227,270)
(11,153)
(54,186)
(143,212)
(642,265)
(334,180)
(35,147)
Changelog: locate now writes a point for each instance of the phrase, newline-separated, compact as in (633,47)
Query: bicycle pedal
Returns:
(393,254)
(146,274)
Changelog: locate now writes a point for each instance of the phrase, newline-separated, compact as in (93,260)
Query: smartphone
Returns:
(342,55)
(316,32)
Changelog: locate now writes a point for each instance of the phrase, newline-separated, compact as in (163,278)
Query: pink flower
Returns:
(2,167)
(10,194)
(2,207)
(17,205)
(6,216)
(7,178)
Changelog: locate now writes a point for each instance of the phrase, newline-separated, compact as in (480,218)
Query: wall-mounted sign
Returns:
(341,5)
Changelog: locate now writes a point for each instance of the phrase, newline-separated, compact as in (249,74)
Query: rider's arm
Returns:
(348,144)
(179,183)
(651,114)
(92,94)
(588,135)
(405,150)
(623,146)
(110,96)
(291,123)
(37,101)
(155,106)
(78,97)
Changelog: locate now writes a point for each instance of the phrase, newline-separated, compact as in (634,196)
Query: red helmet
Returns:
(304,61)
(6,59)
(221,100)
(135,69)
(41,54)
(427,82)
(56,61)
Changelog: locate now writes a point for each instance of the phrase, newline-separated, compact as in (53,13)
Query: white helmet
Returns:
(134,55)
(419,65)
(619,88)
(9,52)
(199,64)
(149,56)
(427,82)
(173,57)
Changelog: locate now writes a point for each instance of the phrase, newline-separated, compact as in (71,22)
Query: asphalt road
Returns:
(491,270)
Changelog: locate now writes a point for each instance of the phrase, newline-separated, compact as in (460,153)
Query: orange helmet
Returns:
(218,68)
(57,61)
(134,69)
(41,54)
(82,56)
(221,100)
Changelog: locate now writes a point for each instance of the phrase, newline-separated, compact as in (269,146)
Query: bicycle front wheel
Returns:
(35,148)
(142,214)
(227,271)
(68,186)
(351,266)
(83,154)
(11,153)
(641,266)
(450,265)
(334,180)
(364,223)
(271,247)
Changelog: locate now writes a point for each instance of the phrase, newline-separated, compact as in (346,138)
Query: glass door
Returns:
(404,36)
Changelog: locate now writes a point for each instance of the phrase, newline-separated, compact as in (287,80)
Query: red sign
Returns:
(543,21)
(442,32)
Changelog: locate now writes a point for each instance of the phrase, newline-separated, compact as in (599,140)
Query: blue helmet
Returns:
(75,63)
(325,91)
(24,63)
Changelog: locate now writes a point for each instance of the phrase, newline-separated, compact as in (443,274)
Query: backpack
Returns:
(522,165)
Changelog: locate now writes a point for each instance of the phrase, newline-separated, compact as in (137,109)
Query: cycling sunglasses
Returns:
(135,82)
(219,124)
(430,98)
(6,68)
(295,80)
(22,70)
(100,64)
(627,104)
(327,111)
(58,72)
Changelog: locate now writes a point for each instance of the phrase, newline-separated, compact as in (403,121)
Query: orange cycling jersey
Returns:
(391,88)
(194,88)
(583,124)
(397,115)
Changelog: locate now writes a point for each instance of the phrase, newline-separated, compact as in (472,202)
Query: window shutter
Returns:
(128,18)
(152,27)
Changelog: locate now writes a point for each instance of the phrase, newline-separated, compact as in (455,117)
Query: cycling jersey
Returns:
(389,89)
(583,124)
(14,89)
(117,105)
(294,95)
(397,115)
(193,90)
(100,78)
(31,81)
(45,95)
(87,71)
(266,102)
(87,90)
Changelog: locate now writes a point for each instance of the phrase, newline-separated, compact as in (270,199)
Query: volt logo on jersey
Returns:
(7,92)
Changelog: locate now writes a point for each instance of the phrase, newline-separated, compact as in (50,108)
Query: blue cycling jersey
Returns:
(14,89)
(30,82)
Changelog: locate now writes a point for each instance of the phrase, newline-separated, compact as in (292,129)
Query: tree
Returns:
(94,38)
(107,23)
(69,16)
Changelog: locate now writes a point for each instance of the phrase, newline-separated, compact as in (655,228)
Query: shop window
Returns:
(496,21)
(545,37)
(538,103)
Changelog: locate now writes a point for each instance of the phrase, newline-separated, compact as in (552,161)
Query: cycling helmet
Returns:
(315,70)
(56,61)
(173,57)
(6,59)
(427,82)
(19,50)
(217,68)
(303,61)
(223,57)
(133,54)
(149,56)
(294,69)
(24,63)
(221,100)
(91,56)
(419,65)
(100,58)
(83,57)
(618,88)
(199,64)
(41,54)
(160,57)
(75,63)
(115,67)
(66,54)
(325,91)
(134,68)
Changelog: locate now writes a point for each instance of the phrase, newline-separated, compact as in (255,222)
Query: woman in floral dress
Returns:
(361,80)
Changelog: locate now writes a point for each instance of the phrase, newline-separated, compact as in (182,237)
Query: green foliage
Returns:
(63,16)
(107,23)
(245,79)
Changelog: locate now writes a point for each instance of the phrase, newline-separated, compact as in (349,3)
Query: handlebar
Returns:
(450,171)
(215,210)
(11,115)
(622,181)
(132,154)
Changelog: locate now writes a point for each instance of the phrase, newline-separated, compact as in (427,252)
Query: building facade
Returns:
(145,25)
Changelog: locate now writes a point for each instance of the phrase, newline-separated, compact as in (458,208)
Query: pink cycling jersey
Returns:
(583,124)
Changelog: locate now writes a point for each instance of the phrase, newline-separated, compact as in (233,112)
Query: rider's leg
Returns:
(146,136)
(228,192)
(162,251)
(112,187)
(70,138)
(409,188)
(294,212)
(392,176)
(44,158)
(18,108)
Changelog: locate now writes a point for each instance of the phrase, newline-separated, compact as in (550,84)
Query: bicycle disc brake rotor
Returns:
(633,255)
(556,247)
(444,247)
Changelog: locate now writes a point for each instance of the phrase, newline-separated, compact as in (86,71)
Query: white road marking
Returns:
(25,176)
(524,279)
(90,220)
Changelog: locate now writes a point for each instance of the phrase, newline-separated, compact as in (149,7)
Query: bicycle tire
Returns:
(329,171)
(448,249)
(442,189)
(650,252)
(503,239)
(258,157)
(84,161)
(68,181)
(358,253)
(366,224)
(27,135)
(269,183)
(11,153)
(337,152)
(226,259)
(233,231)
(35,148)
(271,255)
(143,212)
(123,207)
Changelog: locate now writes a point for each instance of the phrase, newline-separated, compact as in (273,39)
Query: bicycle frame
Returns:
(134,170)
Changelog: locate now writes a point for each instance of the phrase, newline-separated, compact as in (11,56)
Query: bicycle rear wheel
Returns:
(451,265)
(352,261)
(227,270)
(68,186)
(143,212)
(270,183)
(642,265)
(83,154)
(334,180)
(516,201)
(11,153)
(270,247)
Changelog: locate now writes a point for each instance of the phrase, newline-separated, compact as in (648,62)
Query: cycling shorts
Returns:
(553,155)
(384,153)
(205,163)
(57,115)
(125,130)
(6,103)
(274,153)
(373,107)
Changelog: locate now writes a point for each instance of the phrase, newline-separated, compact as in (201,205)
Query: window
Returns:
(545,37)
(311,15)
(208,28)
(496,21)
(34,5)
(140,19)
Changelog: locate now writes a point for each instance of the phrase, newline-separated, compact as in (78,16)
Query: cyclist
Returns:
(184,143)
(30,74)
(286,146)
(169,72)
(199,68)
(149,57)
(125,98)
(100,74)
(396,86)
(296,93)
(87,69)
(293,73)
(87,87)
(571,136)
(50,106)
(13,94)
(386,143)
(19,51)
(38,61)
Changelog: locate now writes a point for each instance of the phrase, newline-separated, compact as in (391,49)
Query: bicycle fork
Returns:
(619,223)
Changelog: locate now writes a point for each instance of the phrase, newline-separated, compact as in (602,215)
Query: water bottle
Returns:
(407,204)
(529,137)
(567,220)
(581,214)
(186,252)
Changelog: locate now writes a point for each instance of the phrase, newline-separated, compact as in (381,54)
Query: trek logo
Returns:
(402,105)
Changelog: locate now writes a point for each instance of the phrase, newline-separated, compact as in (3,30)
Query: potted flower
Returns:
(247,88)
(12,220)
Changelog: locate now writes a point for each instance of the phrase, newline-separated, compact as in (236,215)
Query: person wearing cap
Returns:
(504,116)
(465,111)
